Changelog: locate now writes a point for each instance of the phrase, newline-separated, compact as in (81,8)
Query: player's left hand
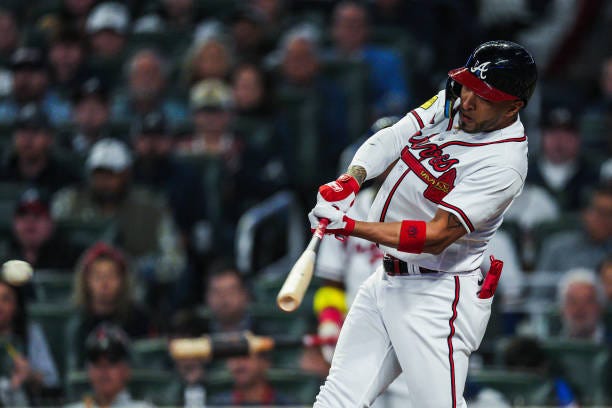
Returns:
(339,222)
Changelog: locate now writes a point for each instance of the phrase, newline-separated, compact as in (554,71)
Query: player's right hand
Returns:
(339,193)
(339,222)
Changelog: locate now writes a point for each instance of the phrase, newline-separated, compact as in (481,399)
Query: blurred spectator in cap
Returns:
(300,71)
(589,245)
(27,359)
(158,169)
(31,85)
(147,76)
(108,369)
(559,168)
(9,34)
(387,87)
(209,58)
(91,116)
(582,302)
(70,14)
(248,31)
(167,15)
(103,293)
(31,159)
(107,27)
(144,226)
(34,238)
(67,58)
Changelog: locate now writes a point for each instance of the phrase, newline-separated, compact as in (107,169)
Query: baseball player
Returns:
(462,161)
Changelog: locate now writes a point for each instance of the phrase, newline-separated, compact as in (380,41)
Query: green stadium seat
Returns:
(151,354)
(519,388)
(577,361)
(53,317)
(299,386)
(148,385)
(53,286)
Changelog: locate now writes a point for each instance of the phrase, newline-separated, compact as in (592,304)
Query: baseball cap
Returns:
(110,154)
(152,123)
(31,116)
(32,201)
(93,86)
(210,94)
(559,117)
(28,57)
(107,340)
(108,16)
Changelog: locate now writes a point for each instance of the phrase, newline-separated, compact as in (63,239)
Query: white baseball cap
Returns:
(108,16)
(109,154)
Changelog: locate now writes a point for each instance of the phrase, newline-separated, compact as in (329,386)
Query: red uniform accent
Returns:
(492,279)
(449,340)
(339,189)
(412,236)
(480,87)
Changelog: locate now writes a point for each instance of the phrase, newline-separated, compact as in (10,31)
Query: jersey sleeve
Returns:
(482,196)
(382,148)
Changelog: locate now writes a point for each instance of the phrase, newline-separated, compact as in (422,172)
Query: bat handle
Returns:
(318,234)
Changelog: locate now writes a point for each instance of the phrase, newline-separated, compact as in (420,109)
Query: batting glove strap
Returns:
(340,192)
(412,236)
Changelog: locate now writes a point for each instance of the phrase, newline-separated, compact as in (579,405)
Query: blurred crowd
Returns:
(135,135)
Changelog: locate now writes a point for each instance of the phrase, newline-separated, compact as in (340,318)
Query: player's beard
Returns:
(473,126)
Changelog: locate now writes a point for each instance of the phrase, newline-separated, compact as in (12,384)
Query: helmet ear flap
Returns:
(452,92)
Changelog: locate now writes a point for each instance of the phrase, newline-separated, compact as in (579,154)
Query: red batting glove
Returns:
(340,193)
(339,222)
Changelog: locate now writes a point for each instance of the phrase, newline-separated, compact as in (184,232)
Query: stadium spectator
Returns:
(107,29)
(28,362)
(31,85)
(209,58)
(252,93)
(605,274)
(67,60)
(34,238)
(250,383)
(388,90)
(559,168)
(103,293)
(147,73)
(158,169)
(108,369)
(91,116)
(300,71)
(9,34)
(175,15)
(71,14)
(586,247)
(144,227)
(31,159)
(582,301)
(248,33)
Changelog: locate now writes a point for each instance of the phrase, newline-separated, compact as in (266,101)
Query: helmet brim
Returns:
(481,88)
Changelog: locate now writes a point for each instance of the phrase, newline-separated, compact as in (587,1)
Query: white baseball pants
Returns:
(425,326)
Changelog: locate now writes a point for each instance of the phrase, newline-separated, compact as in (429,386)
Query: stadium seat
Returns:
(53,285)
(577,361)
(519,389)
(151,354)
(603,373)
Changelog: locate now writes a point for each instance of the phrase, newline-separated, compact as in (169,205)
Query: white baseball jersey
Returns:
(350,261)
(474,176)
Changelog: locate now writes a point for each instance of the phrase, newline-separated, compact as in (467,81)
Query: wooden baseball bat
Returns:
(292,292)
(238,344)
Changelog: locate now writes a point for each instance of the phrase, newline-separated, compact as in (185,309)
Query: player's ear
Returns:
(514,107)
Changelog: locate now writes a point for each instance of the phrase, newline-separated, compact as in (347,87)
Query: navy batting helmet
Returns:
(497,71)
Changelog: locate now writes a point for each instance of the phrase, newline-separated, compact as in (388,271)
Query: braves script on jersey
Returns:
(474,176)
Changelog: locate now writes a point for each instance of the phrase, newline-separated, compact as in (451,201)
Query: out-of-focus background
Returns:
(158,158)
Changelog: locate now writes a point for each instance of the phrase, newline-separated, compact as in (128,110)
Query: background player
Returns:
(463,159)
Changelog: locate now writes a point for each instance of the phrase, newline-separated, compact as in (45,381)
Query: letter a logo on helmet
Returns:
(497,71)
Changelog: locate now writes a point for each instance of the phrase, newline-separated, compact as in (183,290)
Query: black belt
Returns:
(394,266)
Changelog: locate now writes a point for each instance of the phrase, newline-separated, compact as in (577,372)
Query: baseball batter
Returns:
(462,161)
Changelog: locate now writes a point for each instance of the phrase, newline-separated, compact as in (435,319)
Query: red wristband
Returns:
(412,236)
